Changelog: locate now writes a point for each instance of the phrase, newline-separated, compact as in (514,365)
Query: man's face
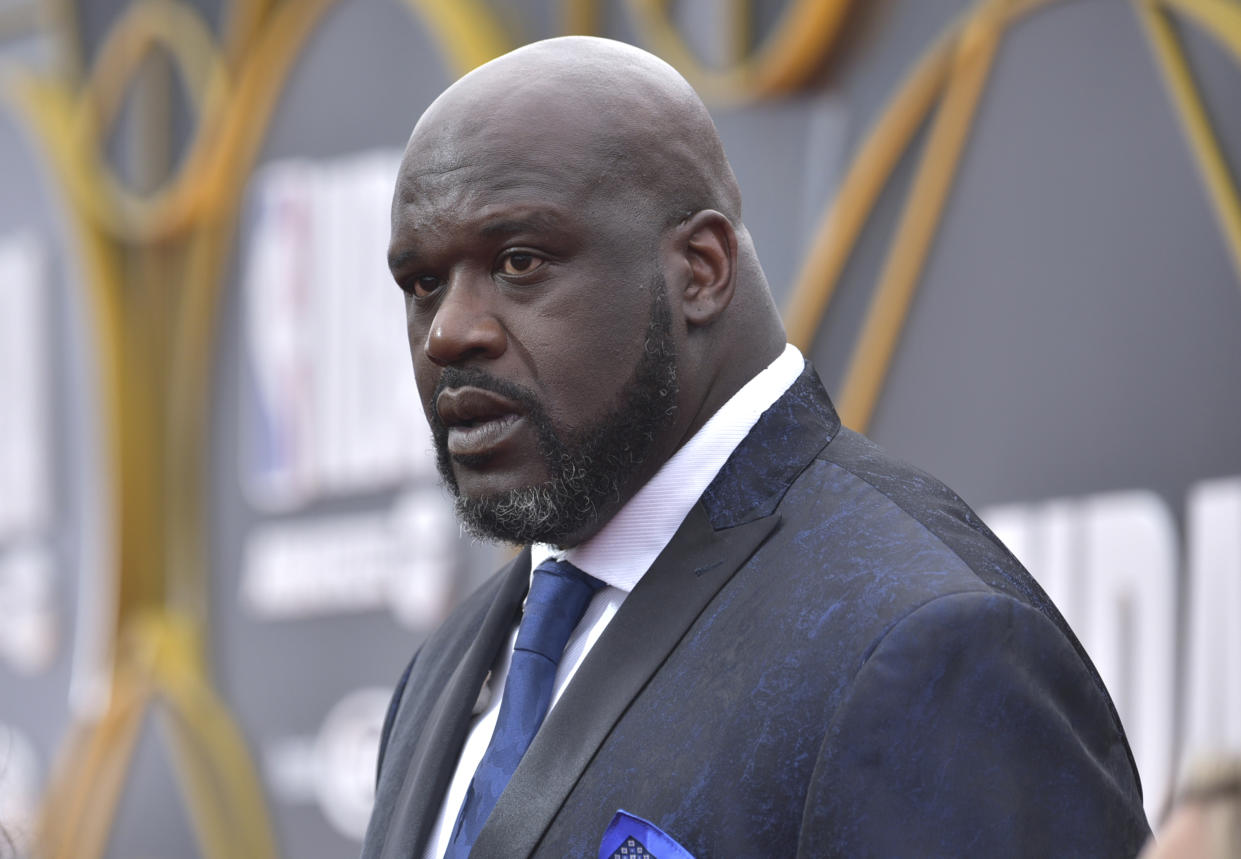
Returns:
(540,330)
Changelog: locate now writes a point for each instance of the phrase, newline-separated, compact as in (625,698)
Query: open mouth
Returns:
(477,420)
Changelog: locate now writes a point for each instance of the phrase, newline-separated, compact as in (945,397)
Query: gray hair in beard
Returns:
(590,466)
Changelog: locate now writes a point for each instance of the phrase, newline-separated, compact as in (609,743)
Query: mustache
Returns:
(472,377)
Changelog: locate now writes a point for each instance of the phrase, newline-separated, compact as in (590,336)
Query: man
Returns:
(791,643)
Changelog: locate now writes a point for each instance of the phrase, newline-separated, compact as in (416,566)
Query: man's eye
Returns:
(424,285)
(517,264)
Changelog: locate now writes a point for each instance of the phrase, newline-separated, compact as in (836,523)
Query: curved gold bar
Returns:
(871,169)
(150,259)
(468,32)
(1223,20)
(786,59)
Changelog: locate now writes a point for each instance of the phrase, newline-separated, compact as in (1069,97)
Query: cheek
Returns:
(415,329)
(584,358)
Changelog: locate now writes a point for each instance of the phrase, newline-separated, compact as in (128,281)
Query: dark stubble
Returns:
(589,467)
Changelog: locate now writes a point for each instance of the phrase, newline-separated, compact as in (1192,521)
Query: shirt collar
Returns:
(620,553)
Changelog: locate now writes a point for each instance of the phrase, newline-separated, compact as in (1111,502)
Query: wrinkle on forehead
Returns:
(488,187)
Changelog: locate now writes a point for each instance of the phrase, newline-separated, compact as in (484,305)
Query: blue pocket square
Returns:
(630,836)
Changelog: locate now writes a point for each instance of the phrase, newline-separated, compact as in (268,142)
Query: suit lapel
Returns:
(731,520)
(650,623)
(438,746)
(734,516)
(777,449)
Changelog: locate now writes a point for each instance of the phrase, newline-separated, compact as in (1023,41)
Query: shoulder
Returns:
(904,520)
(975,723)
(964,694)
(893,540)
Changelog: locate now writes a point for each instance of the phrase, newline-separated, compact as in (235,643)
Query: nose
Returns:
(465,325)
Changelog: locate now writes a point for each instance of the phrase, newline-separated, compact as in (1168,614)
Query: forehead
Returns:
(532,134)
(486,175)
(476,179)
(481,201)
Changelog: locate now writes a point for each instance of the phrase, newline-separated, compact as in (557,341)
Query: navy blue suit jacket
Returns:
(833,657)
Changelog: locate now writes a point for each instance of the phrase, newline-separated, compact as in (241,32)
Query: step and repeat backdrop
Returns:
(1067,356)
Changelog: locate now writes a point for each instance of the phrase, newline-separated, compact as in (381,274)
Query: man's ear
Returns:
(708,245)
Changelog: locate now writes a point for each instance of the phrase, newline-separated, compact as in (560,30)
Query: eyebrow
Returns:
(530,221)
(400,260)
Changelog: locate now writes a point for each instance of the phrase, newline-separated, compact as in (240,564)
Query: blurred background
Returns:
(1007,232)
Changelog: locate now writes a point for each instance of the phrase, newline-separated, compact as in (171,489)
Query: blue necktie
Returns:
(559,594)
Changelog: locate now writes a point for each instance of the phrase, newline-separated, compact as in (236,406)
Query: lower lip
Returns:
(481,438)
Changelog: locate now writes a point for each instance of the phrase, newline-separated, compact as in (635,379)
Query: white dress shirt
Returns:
(620,554)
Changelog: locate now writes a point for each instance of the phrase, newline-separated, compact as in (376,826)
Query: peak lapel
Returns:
(779,446)
(433,759)
(650,623)
(731,520)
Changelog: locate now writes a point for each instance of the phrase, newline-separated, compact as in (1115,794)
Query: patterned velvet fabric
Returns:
(833,657)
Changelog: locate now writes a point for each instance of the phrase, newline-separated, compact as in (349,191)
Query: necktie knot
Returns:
(559,594)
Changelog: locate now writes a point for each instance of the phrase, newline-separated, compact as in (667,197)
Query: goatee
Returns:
(591,467)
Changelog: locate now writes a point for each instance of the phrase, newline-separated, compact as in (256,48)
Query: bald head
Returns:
(581,293)
(635,122)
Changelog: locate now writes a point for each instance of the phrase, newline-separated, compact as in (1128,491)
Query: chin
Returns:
(541,513)
(483,482)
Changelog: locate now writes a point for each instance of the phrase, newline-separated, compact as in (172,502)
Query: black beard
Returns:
(591,467)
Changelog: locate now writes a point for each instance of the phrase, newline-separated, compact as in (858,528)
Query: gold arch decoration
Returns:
(784,61)
(153,264)
(471,32)
(953,74)
(467,31)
